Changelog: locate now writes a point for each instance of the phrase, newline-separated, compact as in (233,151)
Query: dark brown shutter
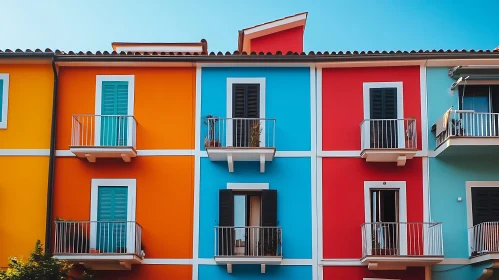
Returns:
(225,219)
(485,205)
(245,104)
(269,208)
(383,105)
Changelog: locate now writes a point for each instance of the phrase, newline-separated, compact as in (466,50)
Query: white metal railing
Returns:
(466,123)
(484,238)
(103,131)
(240,132)
(98,237)
(388,134)
(402,239)
(248,241)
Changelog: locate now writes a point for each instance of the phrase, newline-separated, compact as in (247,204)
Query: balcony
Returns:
(96,136)
(466,132)
(484,242)
(240,139)
(388,140)
(248,245)
(395,246)
(99,245)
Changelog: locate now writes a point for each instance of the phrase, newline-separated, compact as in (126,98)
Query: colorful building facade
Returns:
(268,163)
(26,88)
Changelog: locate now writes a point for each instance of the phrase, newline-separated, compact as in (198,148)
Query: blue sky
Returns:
(332,25)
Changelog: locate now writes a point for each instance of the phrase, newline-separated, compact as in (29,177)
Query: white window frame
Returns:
(98,103)
(230,83)
(400,110)
(5,100)
(469,202)
(131,184)
(395,185)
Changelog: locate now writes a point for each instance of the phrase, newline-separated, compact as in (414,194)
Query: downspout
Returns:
(50,188)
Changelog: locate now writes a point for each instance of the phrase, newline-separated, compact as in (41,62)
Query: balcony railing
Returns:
(248,242)
(484,238)
(466,123)
(402,239)
(97,237)
(103,131)
(388,134)
(240,133)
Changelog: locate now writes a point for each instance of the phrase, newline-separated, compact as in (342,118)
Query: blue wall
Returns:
(289,176)
(287,100)
(250,272)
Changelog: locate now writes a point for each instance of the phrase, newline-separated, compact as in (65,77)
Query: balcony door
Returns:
(114,123)
(112,219)
(246,101)
(244,221)
(383,124)
(114,105)
(482,99)
(385,222)
(246,105)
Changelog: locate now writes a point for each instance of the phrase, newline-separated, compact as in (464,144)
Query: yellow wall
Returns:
(30,107)
(23,183)
(23,196)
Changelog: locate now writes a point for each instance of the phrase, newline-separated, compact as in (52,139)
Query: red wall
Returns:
(359,272)
(284,41)
(343,199)
(342,101)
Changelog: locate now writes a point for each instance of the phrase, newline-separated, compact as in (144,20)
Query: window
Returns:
(480,98)
(114,104)
(485,204)
(246,102)
(383,111)
(247,223)
(4,100)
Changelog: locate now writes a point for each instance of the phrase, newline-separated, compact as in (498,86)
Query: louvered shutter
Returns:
(1,100)
(383,105)
(485,203)
(114,109)
(112,208)
(270,237)
(245,104)
(226,236)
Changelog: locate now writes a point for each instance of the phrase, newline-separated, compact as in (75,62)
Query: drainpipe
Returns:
(50,188)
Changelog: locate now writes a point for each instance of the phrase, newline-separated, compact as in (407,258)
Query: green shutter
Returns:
(114,109)
(112,207)
(1,100)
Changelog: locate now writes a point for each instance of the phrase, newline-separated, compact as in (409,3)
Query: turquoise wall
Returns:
(440,98)
(447,178)
(250,272)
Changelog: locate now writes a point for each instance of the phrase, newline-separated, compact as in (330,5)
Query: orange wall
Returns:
(149,272)
(165,187)
(164,103)
(29,107)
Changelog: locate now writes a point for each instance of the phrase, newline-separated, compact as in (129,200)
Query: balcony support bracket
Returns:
(262,163)
(90,158)
(262,268)
(125,157)
(401,160)
(126,265)
(230,162)
(229,268)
